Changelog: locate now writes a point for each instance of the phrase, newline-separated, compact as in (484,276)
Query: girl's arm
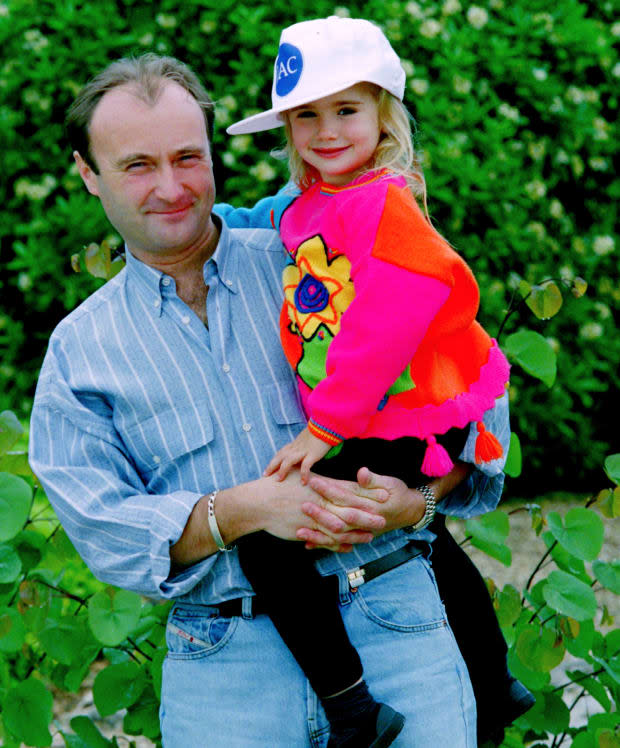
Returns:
(266,214)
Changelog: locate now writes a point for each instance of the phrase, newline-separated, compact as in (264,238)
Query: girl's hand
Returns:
(304,451)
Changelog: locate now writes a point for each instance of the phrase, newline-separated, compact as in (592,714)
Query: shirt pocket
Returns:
(285,403)
(170,434)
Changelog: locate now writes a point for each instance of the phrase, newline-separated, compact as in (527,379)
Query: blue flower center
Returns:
(311,295)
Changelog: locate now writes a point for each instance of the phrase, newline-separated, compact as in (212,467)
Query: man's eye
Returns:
(135,165)
(189,157)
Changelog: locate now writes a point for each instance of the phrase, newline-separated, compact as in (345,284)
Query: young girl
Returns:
(378,323)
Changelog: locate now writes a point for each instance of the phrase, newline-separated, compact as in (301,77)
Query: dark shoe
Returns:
(516,701)
(387,726)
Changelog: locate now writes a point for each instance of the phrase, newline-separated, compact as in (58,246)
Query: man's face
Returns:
(155,178)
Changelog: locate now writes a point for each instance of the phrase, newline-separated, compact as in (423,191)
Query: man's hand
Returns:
(303,451)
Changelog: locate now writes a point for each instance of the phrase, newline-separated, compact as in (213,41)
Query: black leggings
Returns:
(303,605)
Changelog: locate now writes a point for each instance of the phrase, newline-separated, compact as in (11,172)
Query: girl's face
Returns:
(338,134)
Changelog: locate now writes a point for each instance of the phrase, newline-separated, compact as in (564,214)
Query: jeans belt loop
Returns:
(247,605)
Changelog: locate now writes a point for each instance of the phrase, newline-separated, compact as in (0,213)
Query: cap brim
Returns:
(256,123)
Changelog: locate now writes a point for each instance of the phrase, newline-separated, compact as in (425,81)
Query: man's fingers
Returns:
(341,519)
(347,493)
(343,543)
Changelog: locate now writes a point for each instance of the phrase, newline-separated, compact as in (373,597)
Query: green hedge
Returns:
(516,104)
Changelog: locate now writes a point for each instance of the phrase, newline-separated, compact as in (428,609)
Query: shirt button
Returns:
(165,281)
(157,303)
(157,459)
(185,320)
(228,282)
(247,426)
(226,368)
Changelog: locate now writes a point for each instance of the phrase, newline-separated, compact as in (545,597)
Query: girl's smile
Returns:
(338,134)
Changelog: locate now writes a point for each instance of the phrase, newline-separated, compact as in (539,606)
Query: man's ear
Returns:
(88,175)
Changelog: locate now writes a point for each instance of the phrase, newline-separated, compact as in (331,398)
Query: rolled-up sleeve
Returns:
(122,532)
(482,490)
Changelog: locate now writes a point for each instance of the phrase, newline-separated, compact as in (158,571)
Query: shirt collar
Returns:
(150,282)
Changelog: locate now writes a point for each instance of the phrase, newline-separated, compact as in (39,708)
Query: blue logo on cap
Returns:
(289,65)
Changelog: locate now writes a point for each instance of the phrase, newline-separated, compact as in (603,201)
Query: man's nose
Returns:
(169,186)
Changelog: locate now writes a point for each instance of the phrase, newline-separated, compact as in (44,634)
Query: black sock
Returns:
(351,712)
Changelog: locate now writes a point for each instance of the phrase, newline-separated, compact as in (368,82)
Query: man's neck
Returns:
(187,270)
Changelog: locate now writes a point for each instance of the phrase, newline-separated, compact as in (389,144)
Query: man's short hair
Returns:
(148,72)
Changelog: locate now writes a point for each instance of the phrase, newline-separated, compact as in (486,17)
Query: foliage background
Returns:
(516,104)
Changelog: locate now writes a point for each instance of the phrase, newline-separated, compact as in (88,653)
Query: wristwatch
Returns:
(429,511)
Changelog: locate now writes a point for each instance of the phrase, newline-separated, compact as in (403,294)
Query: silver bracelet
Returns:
(215,530)
(429,511)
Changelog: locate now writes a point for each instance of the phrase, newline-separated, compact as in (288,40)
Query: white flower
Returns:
(616,70)
(228,158)
(461,85)
(536,189)
(477,16)
(556,209)
(604,312)
(430,28)
(513,281)
(408,67)
(419,86)
(450,7)
(540,74)
(342,12)
(146,39)
(561,157)
(591,330)
(33,191)
(228,102)
(554,343)
(615,29)
(603,245)
(567,273)
(166,21)
(263,171)
(208,26)
(4,11)
(597,163)
(24,282)
(35,40)
(546,19)
(601,128)
(557,105)
(538,229)
(508,111)
(537,150)
(240,143)
(415,10)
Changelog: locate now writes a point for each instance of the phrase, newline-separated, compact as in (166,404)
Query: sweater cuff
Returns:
(324,434)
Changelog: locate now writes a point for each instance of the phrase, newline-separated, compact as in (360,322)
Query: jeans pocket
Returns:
(403,599)
(195,631)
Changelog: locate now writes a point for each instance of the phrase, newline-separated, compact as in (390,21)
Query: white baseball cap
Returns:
(321,57)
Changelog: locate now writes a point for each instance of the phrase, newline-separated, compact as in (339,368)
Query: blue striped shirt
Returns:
(140,410)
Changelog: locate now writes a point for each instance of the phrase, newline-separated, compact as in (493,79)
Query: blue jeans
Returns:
(232,683)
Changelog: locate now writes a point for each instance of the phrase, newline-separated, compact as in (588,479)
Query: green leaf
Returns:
(513,464)
(570,596)
(10,430)
(507,605)
(545,300)
(66,638)
(608,574)
(608,502)
(581,533)
(15,498)
(565,560)
(532,679)
(12,630)
(28,712)
(582,644)
(86,729)
(549,714)
(596,689)
(579,287)
(118,687)
(97,259)
(142,718)
(16,463)
(10,564)
(489,532)
(155,668)
(533,352)
(113,614)
(612,467)
(539,648)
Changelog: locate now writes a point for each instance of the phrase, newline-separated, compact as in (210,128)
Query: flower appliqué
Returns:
(317,291)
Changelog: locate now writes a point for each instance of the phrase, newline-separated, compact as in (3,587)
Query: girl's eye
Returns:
(347,110)
(307,114)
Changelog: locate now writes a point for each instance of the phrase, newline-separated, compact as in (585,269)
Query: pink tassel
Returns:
(437,461)
(487,446)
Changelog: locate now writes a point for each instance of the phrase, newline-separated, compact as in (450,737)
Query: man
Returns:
(161,400)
